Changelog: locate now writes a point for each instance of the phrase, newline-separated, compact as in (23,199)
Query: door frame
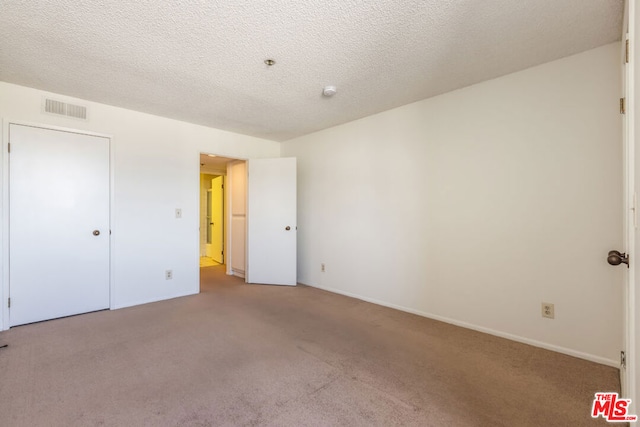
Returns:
(629,377)
(222,210)
(630,380)
(626,372)
(222,175)
(226,195)
(4,209)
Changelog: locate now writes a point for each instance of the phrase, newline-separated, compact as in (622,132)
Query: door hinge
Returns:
(623,106)
(623,359)
(9,147)
(626,52)
(9,303)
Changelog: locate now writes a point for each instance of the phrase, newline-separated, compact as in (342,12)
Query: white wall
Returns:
(475,206)
(156,169)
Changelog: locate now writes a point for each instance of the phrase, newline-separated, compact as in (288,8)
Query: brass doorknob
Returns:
(287,228)
(96,232)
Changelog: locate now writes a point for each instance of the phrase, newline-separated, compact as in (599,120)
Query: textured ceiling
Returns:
(202,61)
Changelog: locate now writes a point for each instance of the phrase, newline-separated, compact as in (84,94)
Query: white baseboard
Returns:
(237,272)
(151,300)
(517,338)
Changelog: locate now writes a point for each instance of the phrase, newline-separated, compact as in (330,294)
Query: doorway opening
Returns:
(211,220)
(258,218)
(222,214)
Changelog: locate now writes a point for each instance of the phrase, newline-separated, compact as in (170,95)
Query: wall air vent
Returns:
(53,106)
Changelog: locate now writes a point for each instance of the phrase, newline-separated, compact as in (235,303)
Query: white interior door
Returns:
(630,375)
(629,231)
(271,226)
(59,224)
(216,221)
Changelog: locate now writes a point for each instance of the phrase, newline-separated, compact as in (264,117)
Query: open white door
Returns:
(271,221)
(59,224)
(216,222)
(628,220)
(630,377)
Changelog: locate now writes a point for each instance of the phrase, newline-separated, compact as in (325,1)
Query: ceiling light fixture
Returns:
(269,62)
(329,91)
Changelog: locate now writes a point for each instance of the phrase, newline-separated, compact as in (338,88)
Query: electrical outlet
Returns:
(322,267)
(168,275)
(178,213)
(548,310)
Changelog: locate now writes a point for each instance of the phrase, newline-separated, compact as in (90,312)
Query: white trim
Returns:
(152,300)
(628,374)
(628,188)
(58,128)
(245,273)
(237,273)
(112,221)
(517,338)
(4,206)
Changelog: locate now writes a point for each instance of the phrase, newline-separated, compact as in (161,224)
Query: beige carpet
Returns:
(252,355)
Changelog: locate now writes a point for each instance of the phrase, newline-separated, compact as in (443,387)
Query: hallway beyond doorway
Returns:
(208,262)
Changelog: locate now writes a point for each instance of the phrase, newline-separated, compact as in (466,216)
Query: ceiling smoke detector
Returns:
(329,91)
